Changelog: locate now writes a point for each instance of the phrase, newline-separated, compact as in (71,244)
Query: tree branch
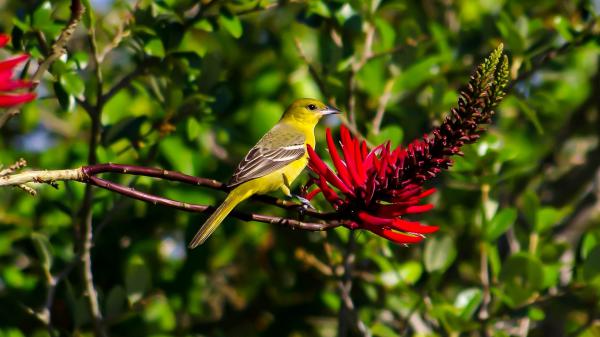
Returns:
(87,175)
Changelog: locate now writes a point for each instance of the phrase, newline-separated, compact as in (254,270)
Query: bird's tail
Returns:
(233,198)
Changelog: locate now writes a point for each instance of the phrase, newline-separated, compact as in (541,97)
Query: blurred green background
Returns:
(519,247)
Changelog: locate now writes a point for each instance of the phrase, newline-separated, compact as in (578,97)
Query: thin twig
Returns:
(382,104)
(356,66)
(87,236)
(19,164)
(57,50)
(348,312)
(312,69)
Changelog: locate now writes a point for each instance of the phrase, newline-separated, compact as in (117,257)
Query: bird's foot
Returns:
(305,202)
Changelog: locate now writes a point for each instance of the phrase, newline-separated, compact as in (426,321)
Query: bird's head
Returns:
(308,111)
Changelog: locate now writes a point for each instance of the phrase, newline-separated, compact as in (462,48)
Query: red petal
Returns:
(313,193)
(360,169)
(348,149)
(367,218)
(413,227)
(364,150)
(418,209)
(11,100)
(16,84)
(13,62)
(328,192)
(427,193)
(384,163)
(370,161)
(371,185)
(396,237)
(337,161)
(4,39)
(406,193)
(395,209)
(324,171)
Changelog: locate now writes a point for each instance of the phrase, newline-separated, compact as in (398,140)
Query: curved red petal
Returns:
(396,237)
(313,193)
(13,62)
(427,193)
(16,84)
(11,100)
(369,219)
(348,150)
(364,151)
(4,39)
(394,209)
(418,209)
(413,227)
(324,171)
(328,192)
(360,169)
(337,161)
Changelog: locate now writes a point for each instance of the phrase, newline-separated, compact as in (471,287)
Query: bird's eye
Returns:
(312,107)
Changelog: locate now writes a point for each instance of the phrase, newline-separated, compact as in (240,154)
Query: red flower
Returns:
(374,188)
(8,84)
(371,189)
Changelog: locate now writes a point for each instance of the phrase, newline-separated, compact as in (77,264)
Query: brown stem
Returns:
(87,175)
(87,235)
(314,73)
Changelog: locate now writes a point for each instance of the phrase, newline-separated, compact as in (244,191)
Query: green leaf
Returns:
(319,8)
(410,272)
(591,266)
(115,302)
(531,114)
(88,16)
(154,47)
(439,254)
(193,128)
(137,279)
(66,101)
(127,128)
(531,204)
(204,25)
(387,33)
(548,217)
(42,17)
(536,314)
(563,27)
(468,301)
(393,133)
(500,223)
(381,330)
(231,23)
(590,240)
(43,249)
(522,276)
(72,83)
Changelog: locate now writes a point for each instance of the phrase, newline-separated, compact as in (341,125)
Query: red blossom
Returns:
(8,84)
(374,189)
(369,189)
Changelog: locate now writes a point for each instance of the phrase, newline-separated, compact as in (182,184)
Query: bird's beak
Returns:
(330,111)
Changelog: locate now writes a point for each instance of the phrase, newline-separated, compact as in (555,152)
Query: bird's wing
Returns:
(279,147)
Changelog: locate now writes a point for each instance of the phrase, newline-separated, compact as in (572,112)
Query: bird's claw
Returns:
(306,205)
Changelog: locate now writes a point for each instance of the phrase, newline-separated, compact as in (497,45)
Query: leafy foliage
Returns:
(191,86)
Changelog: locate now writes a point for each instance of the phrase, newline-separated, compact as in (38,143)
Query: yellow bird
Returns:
(273,163)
